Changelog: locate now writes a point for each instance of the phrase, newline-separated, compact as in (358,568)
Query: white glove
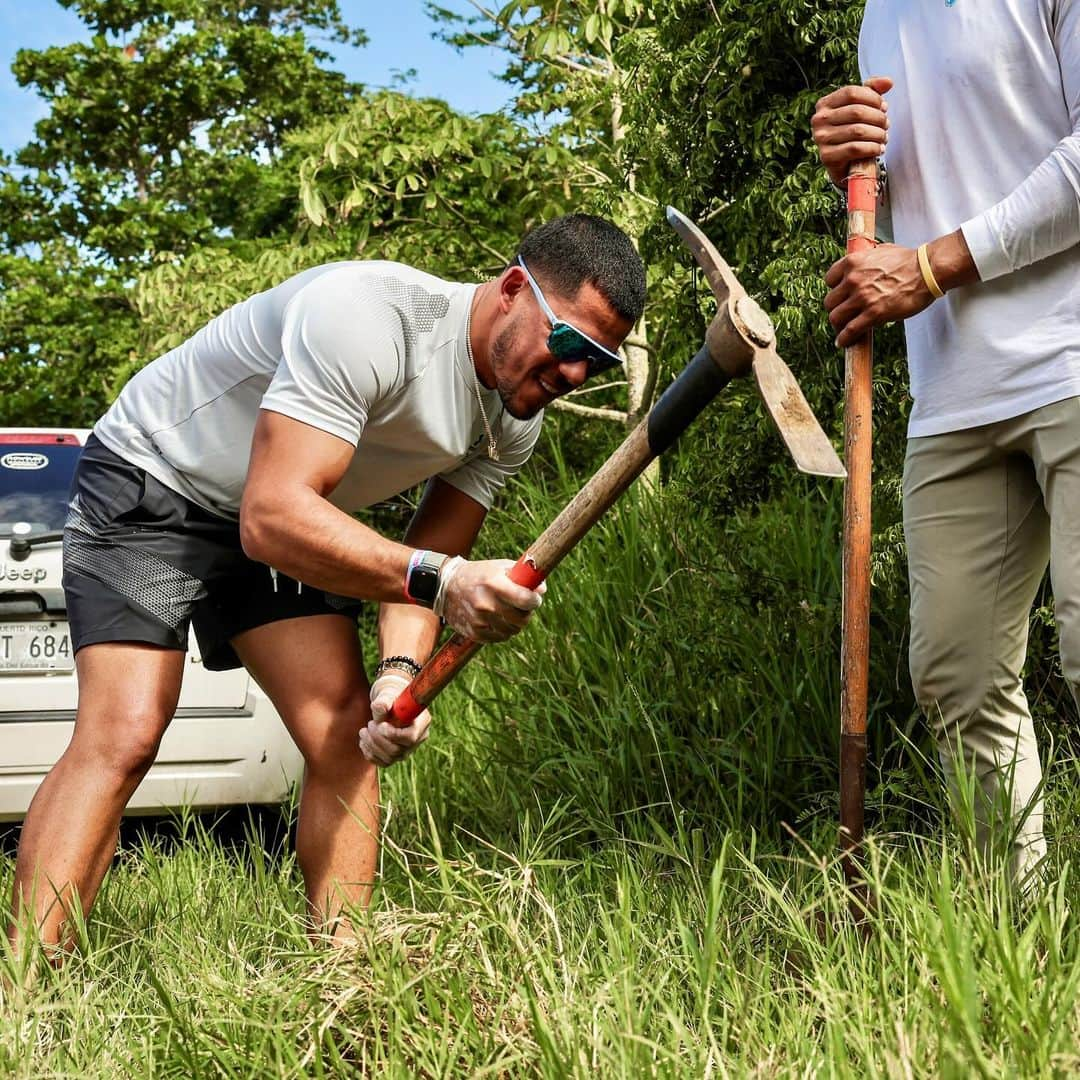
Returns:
(381,741)
(478,599)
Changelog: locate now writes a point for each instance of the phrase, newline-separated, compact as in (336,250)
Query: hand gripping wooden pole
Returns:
(739,341)
(858,442)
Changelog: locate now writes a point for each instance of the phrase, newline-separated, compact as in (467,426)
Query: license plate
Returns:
(35,646)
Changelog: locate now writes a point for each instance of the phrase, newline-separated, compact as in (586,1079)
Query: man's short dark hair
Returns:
(571,251)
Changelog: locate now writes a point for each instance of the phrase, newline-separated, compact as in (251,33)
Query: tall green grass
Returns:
(634,955)
(614,857)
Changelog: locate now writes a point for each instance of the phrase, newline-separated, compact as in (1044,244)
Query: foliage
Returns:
(156,125)
(541,956)
(165,132)
(393,178)
(64,325)
(450,193)
(564,58)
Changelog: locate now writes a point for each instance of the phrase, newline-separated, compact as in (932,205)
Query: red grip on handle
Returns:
(405,709)
(862,192)
(525,572)
(862,195)
(454,653)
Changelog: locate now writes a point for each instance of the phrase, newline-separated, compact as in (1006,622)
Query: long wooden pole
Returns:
(858,456)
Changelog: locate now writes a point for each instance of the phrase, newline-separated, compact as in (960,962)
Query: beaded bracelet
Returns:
(398,663)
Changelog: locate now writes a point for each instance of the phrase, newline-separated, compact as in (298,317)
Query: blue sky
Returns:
(399,30)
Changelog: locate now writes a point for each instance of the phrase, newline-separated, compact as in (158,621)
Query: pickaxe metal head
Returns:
(741,339)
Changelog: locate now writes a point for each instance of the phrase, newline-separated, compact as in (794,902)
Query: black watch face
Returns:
(423,584)
(423,581)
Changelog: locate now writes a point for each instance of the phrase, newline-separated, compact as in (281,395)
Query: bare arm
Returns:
(447,520)
(287,522)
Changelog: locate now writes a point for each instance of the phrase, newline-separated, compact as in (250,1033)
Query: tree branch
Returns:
(593,389)
(503,259)
(589,411)
(520,50)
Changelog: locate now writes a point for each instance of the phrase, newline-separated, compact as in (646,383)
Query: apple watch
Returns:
(422,577)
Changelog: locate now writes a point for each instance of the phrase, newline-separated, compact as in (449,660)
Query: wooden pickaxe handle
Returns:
(738,341)
(701,380)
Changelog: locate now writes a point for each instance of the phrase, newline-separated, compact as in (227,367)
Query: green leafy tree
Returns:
(165,132)
(64,325)
(157,125)
(393,178)
(449,192)
(566,60)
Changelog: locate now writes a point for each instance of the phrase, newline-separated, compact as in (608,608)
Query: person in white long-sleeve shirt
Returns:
(976,110)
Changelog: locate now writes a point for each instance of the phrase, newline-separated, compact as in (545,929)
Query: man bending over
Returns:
(218,491)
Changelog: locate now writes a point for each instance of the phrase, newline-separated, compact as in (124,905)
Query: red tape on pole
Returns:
(861,196)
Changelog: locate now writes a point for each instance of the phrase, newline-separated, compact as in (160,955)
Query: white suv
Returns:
(226,743)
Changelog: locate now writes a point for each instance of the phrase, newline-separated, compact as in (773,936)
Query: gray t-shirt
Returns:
(372,352)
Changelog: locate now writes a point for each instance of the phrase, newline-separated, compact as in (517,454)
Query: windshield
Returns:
(34,482)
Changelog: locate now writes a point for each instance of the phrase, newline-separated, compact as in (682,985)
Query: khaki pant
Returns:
(984,511)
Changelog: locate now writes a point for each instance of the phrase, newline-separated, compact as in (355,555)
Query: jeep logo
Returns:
(24,460)
(22,573)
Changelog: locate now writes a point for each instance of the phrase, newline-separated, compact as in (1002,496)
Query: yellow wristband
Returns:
(928,274)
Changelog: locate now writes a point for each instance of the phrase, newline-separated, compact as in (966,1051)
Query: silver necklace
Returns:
(493,448)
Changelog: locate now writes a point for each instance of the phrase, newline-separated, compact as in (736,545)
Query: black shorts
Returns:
(142,563)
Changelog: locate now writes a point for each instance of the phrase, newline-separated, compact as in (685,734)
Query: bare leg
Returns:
(127,696)
(311,668)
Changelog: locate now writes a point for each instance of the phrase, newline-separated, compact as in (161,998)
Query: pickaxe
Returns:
(739,340)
